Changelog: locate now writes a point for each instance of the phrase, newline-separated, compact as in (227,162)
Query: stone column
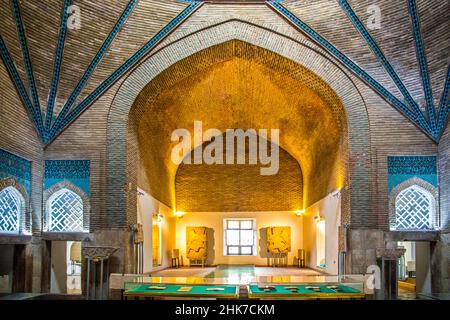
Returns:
(440,264)
(361,248)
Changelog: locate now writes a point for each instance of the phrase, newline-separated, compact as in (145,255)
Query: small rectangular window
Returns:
(240,237)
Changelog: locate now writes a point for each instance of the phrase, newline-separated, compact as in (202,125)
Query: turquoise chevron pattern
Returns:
(432,122)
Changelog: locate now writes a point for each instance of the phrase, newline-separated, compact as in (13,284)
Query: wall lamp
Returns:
(158,216)
(318,218)
(336,194)
(298,213)
(179,214)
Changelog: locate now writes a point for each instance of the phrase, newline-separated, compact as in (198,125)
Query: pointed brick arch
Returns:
(121,153)
(25,214)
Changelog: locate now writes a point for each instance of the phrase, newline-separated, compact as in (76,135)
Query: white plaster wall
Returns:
(330,209)
(58,280)
(214,220)
(423,267)
(147,205)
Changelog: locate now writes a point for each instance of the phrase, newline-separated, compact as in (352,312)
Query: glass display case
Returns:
(306,291)
(259,287)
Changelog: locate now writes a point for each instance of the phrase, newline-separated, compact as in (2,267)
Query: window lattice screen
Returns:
(66,212)
(413,209)
(10,206)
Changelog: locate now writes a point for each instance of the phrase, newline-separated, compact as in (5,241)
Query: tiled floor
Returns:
(236,275)
(258,271)
(268,271)
(406,294)
(184,272)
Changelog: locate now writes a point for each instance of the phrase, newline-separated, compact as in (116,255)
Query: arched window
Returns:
(65,212)
(11,206)
(414,209)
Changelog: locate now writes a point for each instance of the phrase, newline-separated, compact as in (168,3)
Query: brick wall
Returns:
(384,133)
(241,188)
(444,179)
(291,49)
(17,136)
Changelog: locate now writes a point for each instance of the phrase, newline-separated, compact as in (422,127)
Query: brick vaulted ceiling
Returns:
(41,22)
(238,85)
(406,60)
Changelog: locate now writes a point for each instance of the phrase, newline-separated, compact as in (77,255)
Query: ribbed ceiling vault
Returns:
(406,60)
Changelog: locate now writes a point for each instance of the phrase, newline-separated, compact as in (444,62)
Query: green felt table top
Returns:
(172,289)
(281,289)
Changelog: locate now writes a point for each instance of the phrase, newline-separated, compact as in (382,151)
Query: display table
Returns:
(304,291)
(159,290)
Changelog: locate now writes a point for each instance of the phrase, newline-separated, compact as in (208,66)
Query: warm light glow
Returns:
(298,213)
(321,225)
(319,219)
(179,214)
(158,217)
(320,242)
(336,194)
(320,126)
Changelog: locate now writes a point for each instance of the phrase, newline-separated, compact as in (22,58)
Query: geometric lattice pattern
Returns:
(414,209)
(10,206)
(66,212)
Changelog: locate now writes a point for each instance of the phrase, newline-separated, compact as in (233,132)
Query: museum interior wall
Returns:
(87,140)
(148,210)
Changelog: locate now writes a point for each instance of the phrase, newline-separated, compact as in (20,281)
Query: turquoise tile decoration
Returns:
(12,166)
(76,172)
(402,168)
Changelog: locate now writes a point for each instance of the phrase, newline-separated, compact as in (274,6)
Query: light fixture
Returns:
(336,194)
(179,214)
(298,213)
(318,218)
(158,216)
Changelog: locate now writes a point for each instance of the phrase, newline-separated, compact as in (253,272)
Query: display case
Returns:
(180,291)
(260,287)
(306,291)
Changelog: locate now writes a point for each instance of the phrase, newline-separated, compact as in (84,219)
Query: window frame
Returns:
(431,210)
(20,209)
(49,219)
(253,250)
